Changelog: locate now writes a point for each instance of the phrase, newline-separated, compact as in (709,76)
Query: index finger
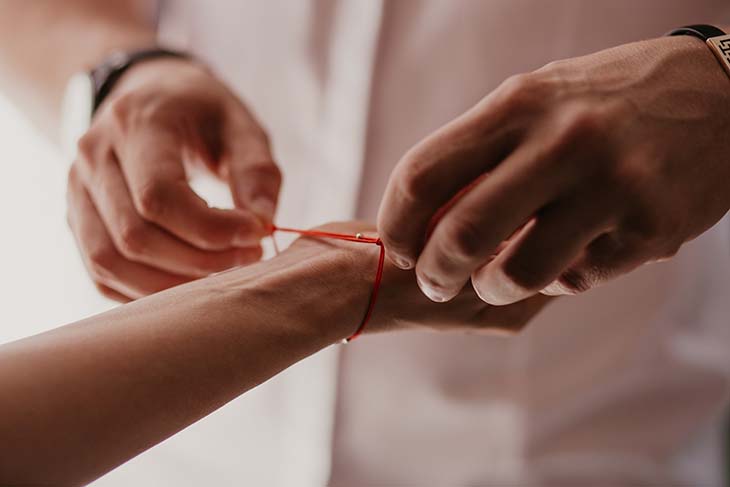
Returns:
(151,161)
(432,174)
(253,176)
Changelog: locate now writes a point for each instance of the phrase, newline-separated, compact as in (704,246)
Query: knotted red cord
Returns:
(358,238)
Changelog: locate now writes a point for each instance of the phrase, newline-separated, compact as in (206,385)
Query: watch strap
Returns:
(700,31)
(716,39)
(105,75)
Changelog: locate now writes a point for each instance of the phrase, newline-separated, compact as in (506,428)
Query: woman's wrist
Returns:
(316,295)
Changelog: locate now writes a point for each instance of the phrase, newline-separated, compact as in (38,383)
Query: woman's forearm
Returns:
(79,400)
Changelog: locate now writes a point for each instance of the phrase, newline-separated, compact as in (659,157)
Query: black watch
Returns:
(700,31)
(87,90)
(105,75)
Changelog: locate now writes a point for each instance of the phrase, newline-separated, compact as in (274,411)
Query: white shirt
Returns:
(608,388)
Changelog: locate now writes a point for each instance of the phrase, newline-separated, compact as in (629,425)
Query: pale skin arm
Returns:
(82,399)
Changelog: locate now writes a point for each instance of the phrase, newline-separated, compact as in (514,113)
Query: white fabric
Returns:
(608,388)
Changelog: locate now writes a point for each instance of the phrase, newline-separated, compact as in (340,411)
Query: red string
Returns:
(359,238)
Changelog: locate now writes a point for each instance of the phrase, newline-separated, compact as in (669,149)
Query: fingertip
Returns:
(433,290)
(255,188)
(494,287)
(250,229)
(245,237)
(397,248)
(555,288)
(401,262)
(399,254)
(263,207)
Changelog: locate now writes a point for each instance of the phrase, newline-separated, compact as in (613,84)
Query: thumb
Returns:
(253,176)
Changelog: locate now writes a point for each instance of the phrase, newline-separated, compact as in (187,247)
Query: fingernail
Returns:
(264,208)
(432,291)
(497,289)
(555,288)
(402,262)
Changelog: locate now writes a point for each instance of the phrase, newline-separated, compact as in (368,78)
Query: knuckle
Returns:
(651,230)
(101,263)
(581,122)
(669,250)
(118,110)
(523,274)
(107,292)
(579,141)
(575,281)
(86,154)
(149,111)
(556,66)
(92,154)
(519,90)
(648,232)
(102,289)
(414,184)
(629,178)
(73,180)
(516,86)
(659,239)
(86,145)
(132,239)
(626,183)
(264,169)
(150,200)
(464,238)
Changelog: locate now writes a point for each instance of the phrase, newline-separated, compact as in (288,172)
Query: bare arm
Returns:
(80,400)
(43,42)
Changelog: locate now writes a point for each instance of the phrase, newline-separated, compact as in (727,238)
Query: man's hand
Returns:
(349,268)
(139,225)
(566,177)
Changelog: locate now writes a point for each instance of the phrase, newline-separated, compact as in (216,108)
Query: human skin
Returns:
(574,174)
(164,120)
(84,398)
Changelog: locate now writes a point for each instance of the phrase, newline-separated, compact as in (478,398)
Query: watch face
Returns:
(78,105)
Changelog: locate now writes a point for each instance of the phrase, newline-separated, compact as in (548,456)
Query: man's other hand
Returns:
(138,223)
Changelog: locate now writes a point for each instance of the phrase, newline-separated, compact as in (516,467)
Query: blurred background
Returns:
(39,259)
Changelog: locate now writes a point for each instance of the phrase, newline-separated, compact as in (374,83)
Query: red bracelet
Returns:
(358,238)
